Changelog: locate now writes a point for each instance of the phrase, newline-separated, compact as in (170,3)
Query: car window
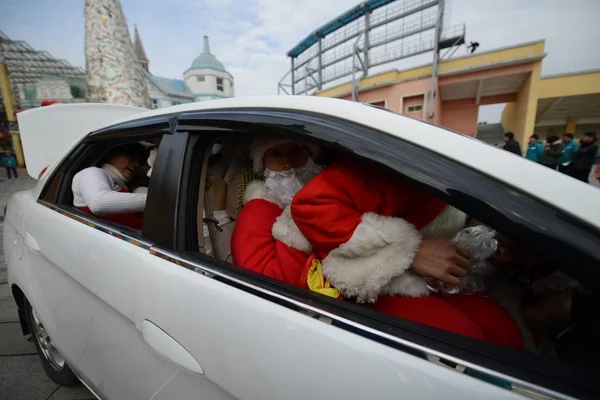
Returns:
(105,181)
(523,227)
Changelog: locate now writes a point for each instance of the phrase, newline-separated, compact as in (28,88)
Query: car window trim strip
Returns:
(102,227)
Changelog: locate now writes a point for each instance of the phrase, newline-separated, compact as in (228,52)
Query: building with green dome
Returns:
(207,78)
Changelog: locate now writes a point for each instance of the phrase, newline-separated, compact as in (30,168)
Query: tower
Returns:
(140,53)
(207,78)
(117,78)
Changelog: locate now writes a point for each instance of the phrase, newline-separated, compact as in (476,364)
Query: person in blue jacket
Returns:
(10,164)
(535,150)
(569,149)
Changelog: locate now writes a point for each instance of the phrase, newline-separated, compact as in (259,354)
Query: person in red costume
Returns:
(286,167)
(103,191)
(378,236)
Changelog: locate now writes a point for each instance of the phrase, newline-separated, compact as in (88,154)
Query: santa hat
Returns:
(260,146)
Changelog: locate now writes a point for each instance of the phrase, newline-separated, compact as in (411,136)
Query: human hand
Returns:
(441,259)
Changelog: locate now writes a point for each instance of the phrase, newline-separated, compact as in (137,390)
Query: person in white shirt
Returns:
(103,191)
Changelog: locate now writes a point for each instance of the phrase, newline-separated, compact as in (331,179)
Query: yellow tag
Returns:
(317,282)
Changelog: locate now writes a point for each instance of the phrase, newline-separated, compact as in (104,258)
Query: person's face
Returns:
(285,157)
(531,140)
(126,164)
(587,139)
(506,139)
(566,139)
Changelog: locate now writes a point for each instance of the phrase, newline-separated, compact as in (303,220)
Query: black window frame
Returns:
(221,84)
(382,149)
(57,192)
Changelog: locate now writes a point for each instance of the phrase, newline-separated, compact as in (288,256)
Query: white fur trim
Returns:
(254,190)
(286,231)
(447,224)
(408,284)
(260,146)
(381,249)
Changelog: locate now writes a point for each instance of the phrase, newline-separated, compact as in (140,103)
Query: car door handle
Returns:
(31,243)
(169,348)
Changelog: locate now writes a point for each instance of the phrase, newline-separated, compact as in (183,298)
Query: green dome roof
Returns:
(207,60)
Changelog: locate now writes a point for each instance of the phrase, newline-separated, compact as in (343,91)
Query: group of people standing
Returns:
(565,155)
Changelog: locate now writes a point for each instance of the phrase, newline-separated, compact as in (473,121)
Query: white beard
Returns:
(281,187)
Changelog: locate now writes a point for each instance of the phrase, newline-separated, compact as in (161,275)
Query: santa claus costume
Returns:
(366,227)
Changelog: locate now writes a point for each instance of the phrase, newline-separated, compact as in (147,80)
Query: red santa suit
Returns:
(366,227)
(267,240)
(256,241)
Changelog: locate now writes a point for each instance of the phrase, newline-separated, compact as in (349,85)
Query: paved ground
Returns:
(21,374)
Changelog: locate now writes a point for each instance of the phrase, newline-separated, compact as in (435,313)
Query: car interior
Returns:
(522,277)
(521,284)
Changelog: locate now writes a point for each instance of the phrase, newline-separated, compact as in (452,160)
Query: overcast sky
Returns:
(251,37)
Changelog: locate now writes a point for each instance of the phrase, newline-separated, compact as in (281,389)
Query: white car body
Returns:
(133,326)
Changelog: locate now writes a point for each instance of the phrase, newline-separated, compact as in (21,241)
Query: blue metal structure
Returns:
(332,26)
(373,33)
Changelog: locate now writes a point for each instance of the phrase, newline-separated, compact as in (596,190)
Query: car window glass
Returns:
(105,181)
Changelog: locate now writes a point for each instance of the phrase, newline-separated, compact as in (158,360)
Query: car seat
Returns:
(226,190)
(231,196)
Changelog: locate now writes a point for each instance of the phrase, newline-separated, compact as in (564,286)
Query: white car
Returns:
(145,315)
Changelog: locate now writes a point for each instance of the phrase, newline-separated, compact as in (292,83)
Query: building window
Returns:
(200,78)
(378,103)
(220,84)
(418,107)
(154,103)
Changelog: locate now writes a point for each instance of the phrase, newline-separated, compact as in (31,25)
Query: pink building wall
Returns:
(460,116)
(394,94)
(400,95)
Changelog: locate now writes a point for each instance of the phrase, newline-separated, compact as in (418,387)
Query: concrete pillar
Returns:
(526,106)
(9,106)
(570,125)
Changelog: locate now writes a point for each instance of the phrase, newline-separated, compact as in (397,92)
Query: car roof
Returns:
(574,197)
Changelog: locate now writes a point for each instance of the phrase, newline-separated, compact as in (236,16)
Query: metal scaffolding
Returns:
(373,33)
(27,65)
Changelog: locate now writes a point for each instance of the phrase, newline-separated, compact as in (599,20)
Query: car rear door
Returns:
(83,274)
(82,281)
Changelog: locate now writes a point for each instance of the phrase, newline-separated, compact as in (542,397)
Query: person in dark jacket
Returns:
(584,158)
(535,150)
(552,152)
(510,144)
